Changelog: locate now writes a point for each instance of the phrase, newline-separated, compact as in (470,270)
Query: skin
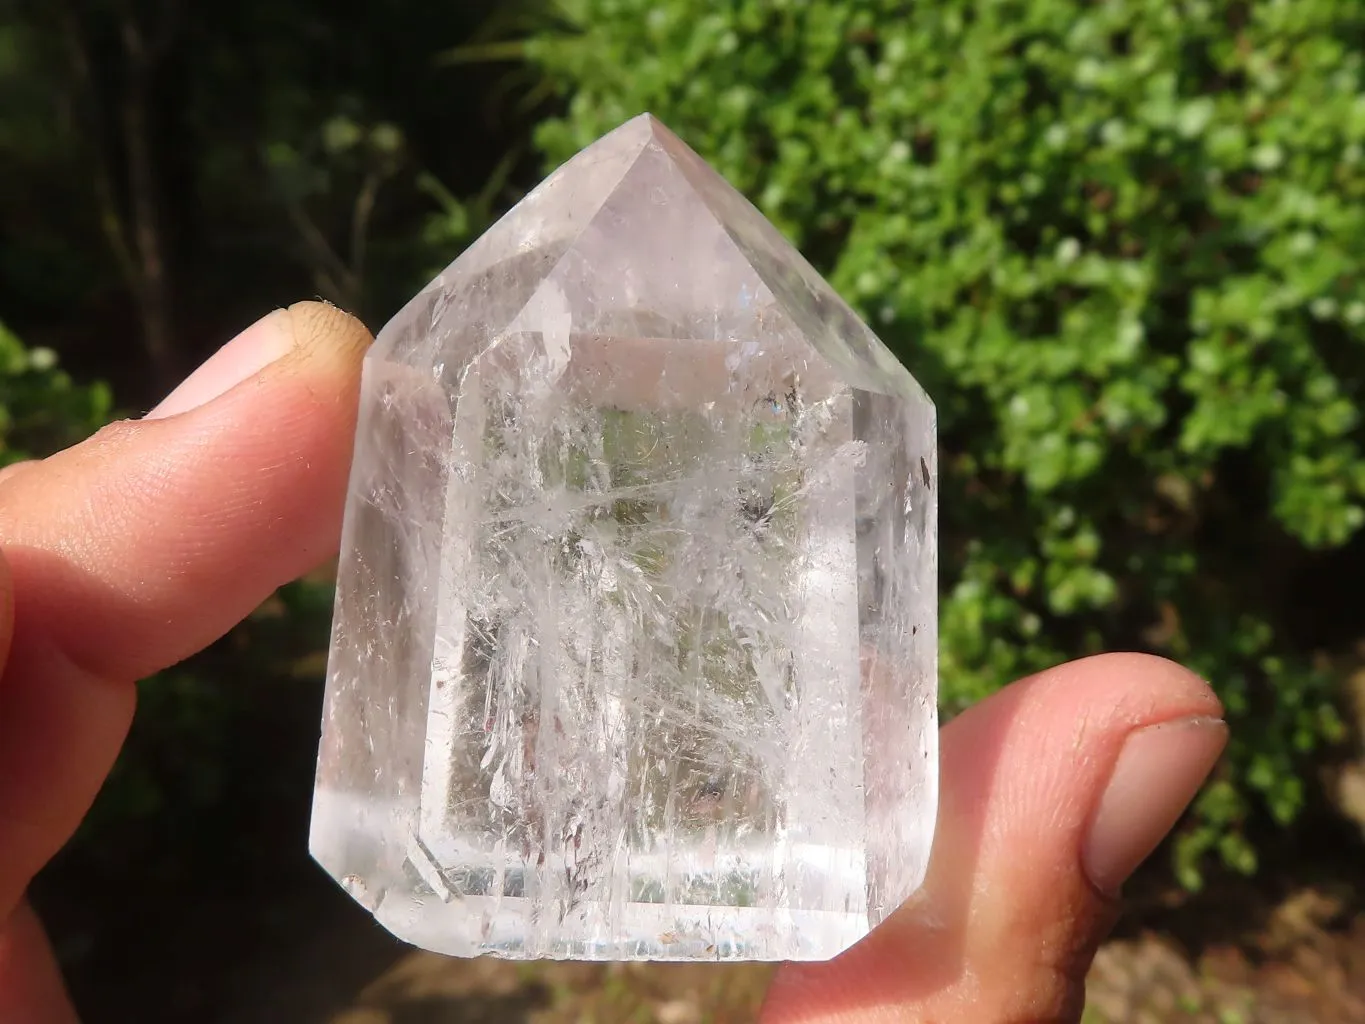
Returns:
(133,550)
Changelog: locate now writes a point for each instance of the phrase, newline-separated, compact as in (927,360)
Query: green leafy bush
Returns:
(41,409)
(1122,245)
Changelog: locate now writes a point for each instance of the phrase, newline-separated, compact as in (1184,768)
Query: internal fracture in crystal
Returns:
(634,653)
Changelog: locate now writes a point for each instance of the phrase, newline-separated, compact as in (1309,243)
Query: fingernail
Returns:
(1158,773)
(240,359)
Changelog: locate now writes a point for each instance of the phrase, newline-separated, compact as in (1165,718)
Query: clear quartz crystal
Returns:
(634,653)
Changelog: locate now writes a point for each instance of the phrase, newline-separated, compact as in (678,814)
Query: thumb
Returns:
(132,550)
(147,542)
(1053,791)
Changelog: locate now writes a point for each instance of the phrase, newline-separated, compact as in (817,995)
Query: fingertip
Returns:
(1141,686)
(322,331)
(310,335)
(240,359)
(1158,772)
(1170,674)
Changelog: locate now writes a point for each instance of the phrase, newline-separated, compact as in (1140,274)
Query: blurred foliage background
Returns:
(1121,243)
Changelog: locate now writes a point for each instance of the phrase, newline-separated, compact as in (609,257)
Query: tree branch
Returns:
(110,217)
(360,223)
(131,224)
(155,297)
(337,281)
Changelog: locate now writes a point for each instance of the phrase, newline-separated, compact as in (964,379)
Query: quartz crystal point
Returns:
(634,654)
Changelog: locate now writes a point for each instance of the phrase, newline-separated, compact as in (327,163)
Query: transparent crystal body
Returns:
(634,653)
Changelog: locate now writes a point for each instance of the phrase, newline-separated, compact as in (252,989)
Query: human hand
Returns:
(131,551)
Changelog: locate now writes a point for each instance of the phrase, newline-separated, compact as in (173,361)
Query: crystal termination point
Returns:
(634,651)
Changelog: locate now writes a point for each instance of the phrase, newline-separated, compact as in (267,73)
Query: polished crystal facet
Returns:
(635,643)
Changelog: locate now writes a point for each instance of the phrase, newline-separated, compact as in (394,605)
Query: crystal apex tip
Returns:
(646,127)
